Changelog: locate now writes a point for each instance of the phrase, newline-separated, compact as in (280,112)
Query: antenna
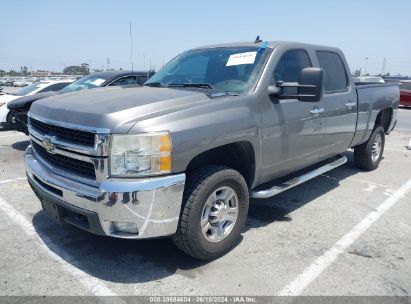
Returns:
(257,39)
(131,49)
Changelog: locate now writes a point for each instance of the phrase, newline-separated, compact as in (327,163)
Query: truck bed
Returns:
(371,98)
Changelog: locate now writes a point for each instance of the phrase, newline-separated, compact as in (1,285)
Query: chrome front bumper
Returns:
(153,204)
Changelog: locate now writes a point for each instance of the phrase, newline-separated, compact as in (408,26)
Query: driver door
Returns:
(292,134)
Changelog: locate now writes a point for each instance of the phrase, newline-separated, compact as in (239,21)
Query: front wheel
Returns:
(214,212)
(369,154)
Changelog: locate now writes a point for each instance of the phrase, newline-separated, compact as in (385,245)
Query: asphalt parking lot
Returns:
(311,240)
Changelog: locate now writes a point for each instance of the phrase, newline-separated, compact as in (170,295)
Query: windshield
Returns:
(27,90)
(84,83)
(228,69)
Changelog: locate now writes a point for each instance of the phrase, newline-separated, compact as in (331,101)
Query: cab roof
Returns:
(270,44)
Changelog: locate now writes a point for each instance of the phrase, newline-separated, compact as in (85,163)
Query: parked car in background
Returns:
(8,82)
(21,82)
(19,107)
(405,93)
(369,79)
(7,122)
(215,126)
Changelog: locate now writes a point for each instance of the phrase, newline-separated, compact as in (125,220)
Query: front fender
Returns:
(206,126)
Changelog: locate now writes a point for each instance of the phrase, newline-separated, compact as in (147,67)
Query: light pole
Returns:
(365,68)
(131,49)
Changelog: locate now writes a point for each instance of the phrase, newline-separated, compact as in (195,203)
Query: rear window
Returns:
(335,75)
(55,87)
(28,89)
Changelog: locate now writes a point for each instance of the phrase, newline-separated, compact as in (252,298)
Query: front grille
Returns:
(74,136)
(70,165)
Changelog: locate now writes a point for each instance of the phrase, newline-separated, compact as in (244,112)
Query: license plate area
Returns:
(54,211)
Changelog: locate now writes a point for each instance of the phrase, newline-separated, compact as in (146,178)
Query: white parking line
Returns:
(5,181)
(13,135)
(370,188)
(357,180)
(367,182)
(96,286)
(297,286)
(397,150)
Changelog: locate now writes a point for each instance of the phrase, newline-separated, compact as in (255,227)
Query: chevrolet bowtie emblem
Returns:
(48,143)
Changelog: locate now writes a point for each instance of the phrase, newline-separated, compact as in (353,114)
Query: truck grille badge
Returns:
(48,143)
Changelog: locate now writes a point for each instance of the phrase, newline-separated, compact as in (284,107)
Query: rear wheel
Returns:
(369,154)
(214,212)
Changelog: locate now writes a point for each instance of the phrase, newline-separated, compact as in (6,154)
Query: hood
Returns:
(26,101)
(7,98)
(116,108)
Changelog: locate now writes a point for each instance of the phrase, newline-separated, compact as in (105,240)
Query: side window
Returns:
(289,67)
(141,79)
(335,74)
(124,81)
(54,87)
(405,86)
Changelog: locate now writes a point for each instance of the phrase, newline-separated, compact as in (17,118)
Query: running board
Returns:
(299,179)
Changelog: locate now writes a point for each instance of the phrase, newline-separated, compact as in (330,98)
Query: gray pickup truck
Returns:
(182,155)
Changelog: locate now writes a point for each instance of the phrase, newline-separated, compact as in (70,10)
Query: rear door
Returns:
(340,102)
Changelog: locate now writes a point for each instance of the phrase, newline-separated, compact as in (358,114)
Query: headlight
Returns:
(140,154)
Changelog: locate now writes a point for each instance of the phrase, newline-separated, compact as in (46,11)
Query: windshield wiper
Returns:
(204,85)
(156,84)
(194,85)
(232,93)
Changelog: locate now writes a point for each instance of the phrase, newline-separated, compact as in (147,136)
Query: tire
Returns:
(365,155)
(202,197)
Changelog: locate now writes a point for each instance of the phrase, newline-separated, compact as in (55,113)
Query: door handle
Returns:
(350,105)
(316,110)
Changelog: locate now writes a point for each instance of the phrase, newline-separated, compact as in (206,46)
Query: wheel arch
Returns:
(384,119)
(239,156)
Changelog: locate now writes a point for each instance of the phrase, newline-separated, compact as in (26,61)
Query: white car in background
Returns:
(37,87)
(21,82)
(369,79)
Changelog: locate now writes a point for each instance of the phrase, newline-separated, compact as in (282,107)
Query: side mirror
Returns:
(310,86)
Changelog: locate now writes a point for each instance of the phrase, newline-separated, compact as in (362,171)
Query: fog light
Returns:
(125,227)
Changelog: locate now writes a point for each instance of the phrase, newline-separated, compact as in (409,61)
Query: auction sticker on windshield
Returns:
(241,58)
